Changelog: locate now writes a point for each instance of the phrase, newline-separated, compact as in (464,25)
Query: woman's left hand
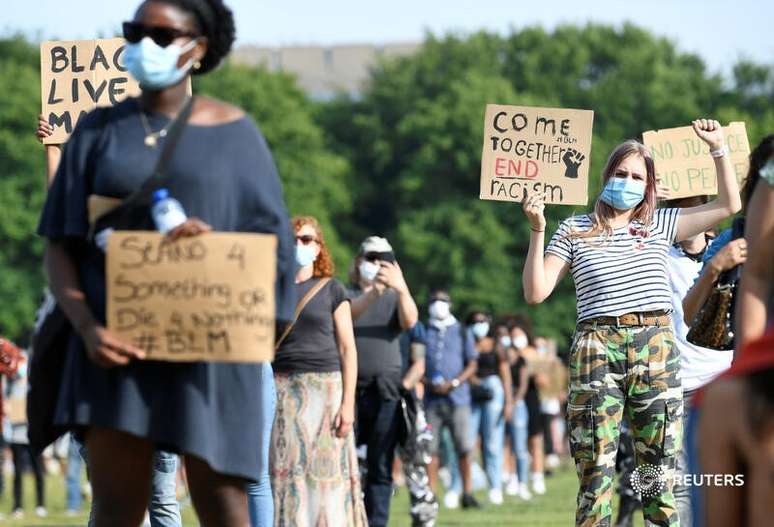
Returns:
(342,423)
(710,132)
(191,227)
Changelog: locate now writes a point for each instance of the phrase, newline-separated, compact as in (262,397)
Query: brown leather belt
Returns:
(645,318)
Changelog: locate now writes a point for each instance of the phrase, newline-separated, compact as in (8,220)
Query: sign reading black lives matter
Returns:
(79,75)
(528,150)
(205,298)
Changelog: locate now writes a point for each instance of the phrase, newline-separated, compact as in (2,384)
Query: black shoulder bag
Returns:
(52,331)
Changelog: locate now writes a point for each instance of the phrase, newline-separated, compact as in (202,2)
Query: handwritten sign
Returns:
(529,150)
(206,298)
(79,75)
(684,164)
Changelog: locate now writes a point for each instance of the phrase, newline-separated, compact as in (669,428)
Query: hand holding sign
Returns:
(534,208)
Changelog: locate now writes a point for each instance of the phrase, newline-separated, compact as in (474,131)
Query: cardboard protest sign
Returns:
(204,298)
(17,411)
(684,164)
(79,75)
(529,150)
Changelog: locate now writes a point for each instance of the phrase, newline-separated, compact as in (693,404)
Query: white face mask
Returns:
(480,329)
(368,270)
(520,342)
(439,310)
(505,341)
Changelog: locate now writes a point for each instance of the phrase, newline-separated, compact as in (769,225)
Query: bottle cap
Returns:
(160,194)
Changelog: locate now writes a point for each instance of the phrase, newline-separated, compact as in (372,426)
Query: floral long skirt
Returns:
(315,480)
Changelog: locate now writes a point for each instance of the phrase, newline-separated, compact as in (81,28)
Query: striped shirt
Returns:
(627,273)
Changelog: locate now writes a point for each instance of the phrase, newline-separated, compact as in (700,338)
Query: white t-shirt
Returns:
(698,365)
(625,273)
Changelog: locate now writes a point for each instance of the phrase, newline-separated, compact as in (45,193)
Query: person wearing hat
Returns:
(451,359)
(382,309)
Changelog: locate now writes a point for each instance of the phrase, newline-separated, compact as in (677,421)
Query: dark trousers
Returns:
(377,428)
(19,451)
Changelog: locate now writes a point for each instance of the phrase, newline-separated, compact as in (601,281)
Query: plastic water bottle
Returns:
(167,212)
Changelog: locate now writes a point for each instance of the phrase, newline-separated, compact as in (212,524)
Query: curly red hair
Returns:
(323,265)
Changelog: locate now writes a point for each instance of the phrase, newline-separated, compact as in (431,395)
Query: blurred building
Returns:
(323,71)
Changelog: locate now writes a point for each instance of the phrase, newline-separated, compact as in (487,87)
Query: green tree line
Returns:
(401,159)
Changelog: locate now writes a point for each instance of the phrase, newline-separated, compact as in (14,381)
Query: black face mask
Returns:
(696,257)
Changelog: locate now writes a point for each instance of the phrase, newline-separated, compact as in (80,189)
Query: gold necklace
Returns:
(151,137)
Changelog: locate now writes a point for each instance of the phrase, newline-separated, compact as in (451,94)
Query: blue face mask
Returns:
(305,255)
(155,67)
(480,329)
(623,193)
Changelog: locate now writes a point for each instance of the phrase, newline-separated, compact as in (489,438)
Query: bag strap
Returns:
(300,307)
(159,174)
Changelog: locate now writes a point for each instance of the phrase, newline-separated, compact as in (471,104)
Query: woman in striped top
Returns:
(622,360)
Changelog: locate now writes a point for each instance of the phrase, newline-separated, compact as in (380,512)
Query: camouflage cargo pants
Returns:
(615,370)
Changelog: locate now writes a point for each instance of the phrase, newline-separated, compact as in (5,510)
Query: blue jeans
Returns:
(519,433)
(377,428)
(73,478)
(488,420)
(260,503)
(163,507)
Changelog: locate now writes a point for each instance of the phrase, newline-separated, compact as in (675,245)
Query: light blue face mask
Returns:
(623,193)
(480,329)
(305,255)
(155,67)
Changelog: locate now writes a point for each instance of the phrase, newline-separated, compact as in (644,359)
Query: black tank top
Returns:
(487,364)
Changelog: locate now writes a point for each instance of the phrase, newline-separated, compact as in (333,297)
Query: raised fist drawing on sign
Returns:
(572,160)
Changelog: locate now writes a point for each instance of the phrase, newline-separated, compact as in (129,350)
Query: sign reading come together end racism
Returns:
(528,150)
(683,162)
(205,298)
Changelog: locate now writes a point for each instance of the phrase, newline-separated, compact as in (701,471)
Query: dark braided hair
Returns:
(216,22)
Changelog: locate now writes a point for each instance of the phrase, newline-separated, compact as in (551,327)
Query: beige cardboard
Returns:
(79,75)
(204,298)
(17,411)
(684,164)
(529,150)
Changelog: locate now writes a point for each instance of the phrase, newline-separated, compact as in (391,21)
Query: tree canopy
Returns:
(401,159)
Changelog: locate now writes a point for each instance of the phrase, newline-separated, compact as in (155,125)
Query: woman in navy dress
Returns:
(223,174)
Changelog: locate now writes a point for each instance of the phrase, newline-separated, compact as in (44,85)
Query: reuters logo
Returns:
(648,480)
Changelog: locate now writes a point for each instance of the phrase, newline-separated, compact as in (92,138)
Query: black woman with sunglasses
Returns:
(223,174)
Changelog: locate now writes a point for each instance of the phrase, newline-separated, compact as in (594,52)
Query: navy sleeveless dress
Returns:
(224,175)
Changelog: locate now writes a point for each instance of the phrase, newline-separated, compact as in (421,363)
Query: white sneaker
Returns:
(512,488)
(538,483)
(17,514)
(552,461)
(41,512)
(495,496)
(524,492)
(451,500)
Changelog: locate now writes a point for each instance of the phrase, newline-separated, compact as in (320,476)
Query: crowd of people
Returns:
(363,390)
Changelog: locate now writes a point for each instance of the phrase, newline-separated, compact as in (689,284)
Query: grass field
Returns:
(555,508)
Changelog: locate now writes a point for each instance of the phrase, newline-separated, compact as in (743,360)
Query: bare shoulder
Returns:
(212,112)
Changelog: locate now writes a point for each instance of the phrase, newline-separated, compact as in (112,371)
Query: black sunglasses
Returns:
(163,36)
(384,257)
(306,239)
